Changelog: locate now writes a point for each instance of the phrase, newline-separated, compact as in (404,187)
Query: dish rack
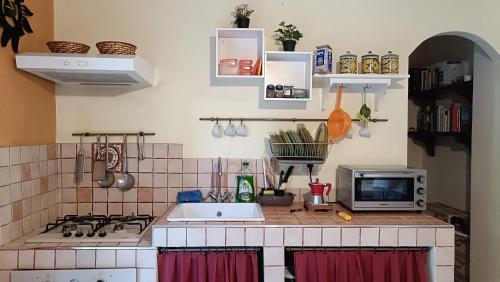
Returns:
(304,153)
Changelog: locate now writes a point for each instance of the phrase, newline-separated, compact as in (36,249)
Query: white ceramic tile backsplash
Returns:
(105,259)
(254,236)
(216,237)
(65,259)
(350,237)
(125,258)
(85,258)
(274,256)
(407,237)
(312,237)
(176,237)
(293,236)
(331,237)
(370,237)
(44,259)
(273,237)
(235,237)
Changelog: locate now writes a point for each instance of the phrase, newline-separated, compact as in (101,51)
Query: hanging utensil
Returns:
(80,162)
(126,181)
(109,177)
(99,168)
(140,147)
(364,116)
(339,121)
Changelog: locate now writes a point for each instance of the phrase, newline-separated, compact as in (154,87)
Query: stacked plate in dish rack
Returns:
(299,144)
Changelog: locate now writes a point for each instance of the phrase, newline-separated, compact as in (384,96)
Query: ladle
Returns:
(109,177)
(126,181)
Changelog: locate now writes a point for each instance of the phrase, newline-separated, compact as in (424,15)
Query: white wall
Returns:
(449,170)
(177,36)
(485,196)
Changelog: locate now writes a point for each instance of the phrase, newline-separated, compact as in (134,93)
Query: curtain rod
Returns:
(87,134)
(281,119)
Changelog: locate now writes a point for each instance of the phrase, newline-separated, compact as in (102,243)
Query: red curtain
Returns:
(361,266)
(208,267)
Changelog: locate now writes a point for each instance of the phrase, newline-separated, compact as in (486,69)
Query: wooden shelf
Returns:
(357,83)
(463,89)
(428,139)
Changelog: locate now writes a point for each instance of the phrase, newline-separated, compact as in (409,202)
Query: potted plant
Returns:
(288,35)
(242,16)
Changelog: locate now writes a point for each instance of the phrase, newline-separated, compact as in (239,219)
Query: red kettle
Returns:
(317,190)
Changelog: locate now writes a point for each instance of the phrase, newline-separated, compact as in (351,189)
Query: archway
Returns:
(485,160)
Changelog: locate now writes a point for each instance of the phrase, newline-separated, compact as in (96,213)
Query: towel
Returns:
(189,197)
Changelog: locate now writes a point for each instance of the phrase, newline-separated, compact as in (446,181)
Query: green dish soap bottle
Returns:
(245,192)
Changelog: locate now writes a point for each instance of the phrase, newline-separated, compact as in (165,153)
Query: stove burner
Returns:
(96,223)
(118,227)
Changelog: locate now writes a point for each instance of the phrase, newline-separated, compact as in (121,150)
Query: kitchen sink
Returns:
(216,212)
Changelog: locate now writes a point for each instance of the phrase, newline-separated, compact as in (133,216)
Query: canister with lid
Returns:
(370,63)
(348,63)
(389,63)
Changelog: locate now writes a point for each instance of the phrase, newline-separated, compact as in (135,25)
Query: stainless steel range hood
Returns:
(79,69)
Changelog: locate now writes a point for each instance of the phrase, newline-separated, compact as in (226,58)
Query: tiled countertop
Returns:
(20,244)
(282,217)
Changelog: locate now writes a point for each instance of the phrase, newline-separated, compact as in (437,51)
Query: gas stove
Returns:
(95,228)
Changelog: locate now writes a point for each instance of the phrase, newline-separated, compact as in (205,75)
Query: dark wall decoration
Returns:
(14,21)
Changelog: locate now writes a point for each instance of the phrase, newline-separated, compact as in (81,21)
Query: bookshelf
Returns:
(427,139)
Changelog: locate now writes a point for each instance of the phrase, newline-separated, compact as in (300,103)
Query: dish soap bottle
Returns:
(245,192)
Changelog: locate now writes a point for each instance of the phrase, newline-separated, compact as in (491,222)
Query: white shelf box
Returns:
(241,44)
(289,68)
(357,83)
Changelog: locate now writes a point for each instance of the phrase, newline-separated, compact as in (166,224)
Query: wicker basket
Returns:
(116,48)
(67,47)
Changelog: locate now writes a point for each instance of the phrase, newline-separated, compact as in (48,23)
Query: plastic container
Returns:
(228,67)
(245,69)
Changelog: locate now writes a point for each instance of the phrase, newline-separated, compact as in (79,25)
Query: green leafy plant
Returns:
(287,32)
(242,11)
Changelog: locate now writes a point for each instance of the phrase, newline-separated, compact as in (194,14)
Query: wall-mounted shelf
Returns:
(356,83)
(288,68)
(428,139)
(239,43)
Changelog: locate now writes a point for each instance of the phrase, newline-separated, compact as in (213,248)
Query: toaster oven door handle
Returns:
(385,175)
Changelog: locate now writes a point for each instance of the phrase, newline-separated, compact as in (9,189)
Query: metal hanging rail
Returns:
(87,134)
(281,119)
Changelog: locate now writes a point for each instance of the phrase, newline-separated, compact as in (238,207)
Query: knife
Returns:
(285,179)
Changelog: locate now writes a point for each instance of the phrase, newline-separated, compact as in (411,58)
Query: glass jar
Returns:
(270,91)
(370,63)
(348,63)
(279,91)
(389,63)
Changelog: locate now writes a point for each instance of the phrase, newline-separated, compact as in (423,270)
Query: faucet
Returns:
(217,195)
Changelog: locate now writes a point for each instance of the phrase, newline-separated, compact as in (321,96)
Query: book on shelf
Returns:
(437,75)
(456,118)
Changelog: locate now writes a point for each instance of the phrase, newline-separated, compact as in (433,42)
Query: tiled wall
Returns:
(28,194)
(159,177)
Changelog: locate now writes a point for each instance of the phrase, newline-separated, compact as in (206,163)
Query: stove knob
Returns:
(420,203)
(421,191)
(421,179)
(66,232)
(102,233)
(79,233)
(91,233)
(100,280)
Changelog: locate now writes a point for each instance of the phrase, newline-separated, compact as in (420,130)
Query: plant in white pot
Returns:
(288,35)
(242,16)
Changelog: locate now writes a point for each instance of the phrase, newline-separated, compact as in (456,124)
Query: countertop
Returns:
(275,216)
(281,216)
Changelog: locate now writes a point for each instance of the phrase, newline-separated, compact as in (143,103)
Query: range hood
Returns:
(84,69)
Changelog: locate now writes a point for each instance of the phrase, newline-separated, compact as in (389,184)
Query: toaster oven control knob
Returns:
(420,203)
(421,191)
(421,179)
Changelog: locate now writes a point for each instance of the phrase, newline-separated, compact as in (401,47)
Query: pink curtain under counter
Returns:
(361,266)
(230,266)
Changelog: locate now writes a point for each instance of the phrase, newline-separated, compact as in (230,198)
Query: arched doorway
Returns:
(484,166)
